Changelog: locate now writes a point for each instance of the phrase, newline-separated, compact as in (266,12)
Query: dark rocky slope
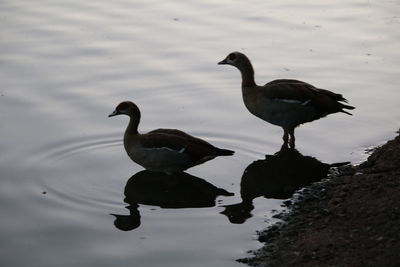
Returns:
(350,219)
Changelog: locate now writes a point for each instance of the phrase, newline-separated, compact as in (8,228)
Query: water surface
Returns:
(65,65)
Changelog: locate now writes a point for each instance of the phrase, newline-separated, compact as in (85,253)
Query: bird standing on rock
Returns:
(285,102)
(164,150)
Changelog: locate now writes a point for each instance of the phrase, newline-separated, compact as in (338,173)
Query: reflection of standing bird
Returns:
(286,103)
(277,176)
(164,150)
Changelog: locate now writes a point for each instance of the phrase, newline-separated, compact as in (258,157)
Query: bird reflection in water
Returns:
(176,191)
(277,176)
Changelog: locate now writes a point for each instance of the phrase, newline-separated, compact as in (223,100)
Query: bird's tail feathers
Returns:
(224,152)
(343,106)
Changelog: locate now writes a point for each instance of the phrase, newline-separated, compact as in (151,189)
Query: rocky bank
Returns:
(350,219)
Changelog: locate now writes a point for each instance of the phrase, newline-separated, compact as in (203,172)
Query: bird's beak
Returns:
(223,62)
(114,113)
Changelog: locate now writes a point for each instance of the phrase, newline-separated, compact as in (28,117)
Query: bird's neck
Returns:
(132,128)
(247,72)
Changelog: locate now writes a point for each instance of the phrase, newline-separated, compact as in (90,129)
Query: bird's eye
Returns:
(232,56)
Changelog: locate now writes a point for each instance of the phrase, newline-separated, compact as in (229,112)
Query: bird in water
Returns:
(285,102)
(164,150)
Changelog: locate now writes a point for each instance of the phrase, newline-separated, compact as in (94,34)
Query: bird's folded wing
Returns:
(177,141)
(290,91)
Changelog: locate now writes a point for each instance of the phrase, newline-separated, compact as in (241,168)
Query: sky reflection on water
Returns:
(64,65)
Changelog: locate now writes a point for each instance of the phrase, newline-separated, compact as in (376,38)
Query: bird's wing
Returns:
(299,90)
(288,81)
(300,93)
(290,91)
(180,135)
(172,132)
(337,97)
(178,141)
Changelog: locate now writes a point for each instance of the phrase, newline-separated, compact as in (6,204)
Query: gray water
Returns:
(65,65)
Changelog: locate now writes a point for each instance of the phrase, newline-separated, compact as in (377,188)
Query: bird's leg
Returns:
(285,137)
(292,138)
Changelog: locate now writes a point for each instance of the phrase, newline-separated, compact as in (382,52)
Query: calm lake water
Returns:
(65,65)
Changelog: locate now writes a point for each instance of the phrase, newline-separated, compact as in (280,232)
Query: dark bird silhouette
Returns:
(164,150)
(285,103)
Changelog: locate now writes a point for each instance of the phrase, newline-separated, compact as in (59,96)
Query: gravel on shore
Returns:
(350,219)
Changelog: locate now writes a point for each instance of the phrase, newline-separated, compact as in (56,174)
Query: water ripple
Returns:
(68,147)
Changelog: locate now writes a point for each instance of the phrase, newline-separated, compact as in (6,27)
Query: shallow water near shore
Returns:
(65,65)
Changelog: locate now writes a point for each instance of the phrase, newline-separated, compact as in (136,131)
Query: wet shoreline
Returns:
(349,219)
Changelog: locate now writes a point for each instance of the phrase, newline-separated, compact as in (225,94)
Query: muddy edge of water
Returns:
(350,219)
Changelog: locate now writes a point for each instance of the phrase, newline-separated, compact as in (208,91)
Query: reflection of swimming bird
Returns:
(175,191)
(164,150)
(286,103)
(278,176)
